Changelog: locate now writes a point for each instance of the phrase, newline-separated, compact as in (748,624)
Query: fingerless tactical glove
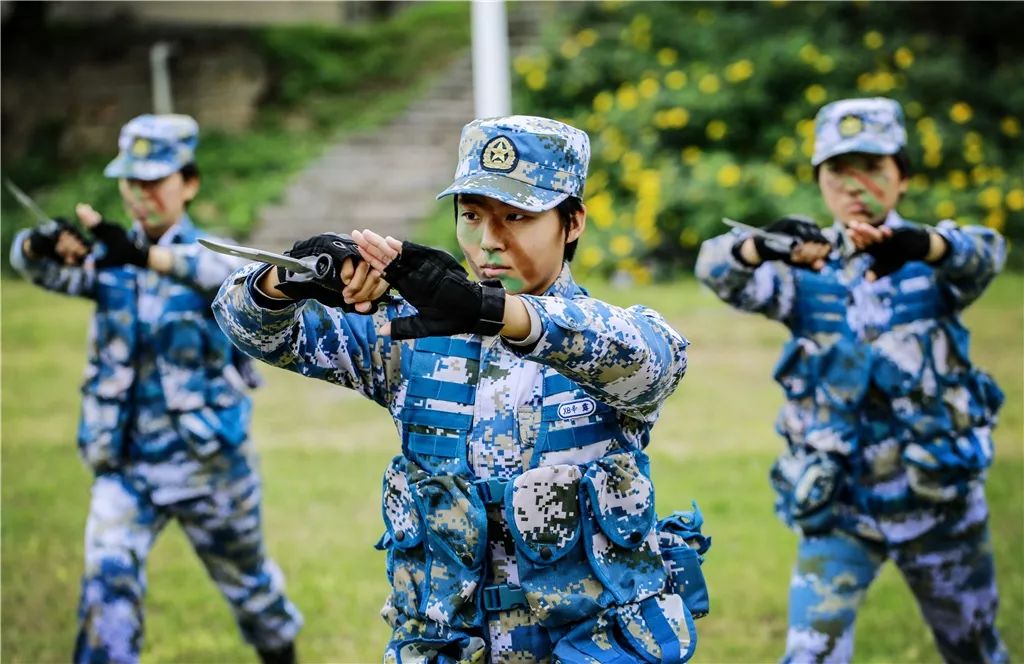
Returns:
(906,244)
(42,240)
(119,248)
(333,249)
(447,302)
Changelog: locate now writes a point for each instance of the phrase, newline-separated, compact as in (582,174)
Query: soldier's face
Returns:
(521,249)
(861,187)
(157,204)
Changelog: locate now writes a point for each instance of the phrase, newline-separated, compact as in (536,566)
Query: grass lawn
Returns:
(323,451)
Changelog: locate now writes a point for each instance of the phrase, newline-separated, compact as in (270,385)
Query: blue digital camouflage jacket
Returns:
(877,376)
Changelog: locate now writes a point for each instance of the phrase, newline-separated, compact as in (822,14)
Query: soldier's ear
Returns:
(577,224)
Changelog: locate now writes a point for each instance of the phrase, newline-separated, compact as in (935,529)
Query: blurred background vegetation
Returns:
(702,110)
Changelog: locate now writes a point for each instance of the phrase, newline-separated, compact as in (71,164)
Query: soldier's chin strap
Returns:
(447,302)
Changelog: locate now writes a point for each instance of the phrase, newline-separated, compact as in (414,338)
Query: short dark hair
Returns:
(901,158)
(567,209)
(190,171)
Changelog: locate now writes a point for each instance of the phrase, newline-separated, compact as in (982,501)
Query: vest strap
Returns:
(492,491)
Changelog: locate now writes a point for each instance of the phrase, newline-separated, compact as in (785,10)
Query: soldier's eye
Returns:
(517,217)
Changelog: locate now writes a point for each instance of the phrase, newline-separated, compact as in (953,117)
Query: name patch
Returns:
(578,408)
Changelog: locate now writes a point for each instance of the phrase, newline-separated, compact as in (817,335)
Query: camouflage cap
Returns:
(154,146)
(529,162)
(873,126)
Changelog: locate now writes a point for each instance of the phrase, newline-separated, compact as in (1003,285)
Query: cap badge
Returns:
(850,125)
(141,147)
(499,154)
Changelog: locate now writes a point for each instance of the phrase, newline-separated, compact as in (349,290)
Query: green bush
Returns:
(699,111)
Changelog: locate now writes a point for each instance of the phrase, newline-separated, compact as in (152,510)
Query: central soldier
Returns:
(520,520)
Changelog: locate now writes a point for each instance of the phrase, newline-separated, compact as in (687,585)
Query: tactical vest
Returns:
(582,514)
(199,375)
(828,368)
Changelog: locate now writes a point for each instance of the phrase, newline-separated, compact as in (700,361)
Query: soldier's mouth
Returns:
(491,271)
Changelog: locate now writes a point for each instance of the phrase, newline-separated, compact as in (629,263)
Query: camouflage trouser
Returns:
(949,569)
(224,528)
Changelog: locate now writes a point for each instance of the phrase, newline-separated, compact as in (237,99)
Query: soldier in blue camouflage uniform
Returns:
(520,522)
(165,417)
(887,422)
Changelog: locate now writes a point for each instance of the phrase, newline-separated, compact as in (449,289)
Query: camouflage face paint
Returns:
(872,184)
(512,283)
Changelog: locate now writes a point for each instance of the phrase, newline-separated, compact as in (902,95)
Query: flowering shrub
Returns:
(699,111)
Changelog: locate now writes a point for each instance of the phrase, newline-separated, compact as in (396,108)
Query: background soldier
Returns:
(165,417)
(888,424)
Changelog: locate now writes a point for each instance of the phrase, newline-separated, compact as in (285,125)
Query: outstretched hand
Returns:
(447,302)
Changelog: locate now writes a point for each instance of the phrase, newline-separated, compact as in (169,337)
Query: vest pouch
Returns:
(943,469)
(435,439)
(109,373)
(455,537)
(659,629)
(542,508)
(986,398)
(618,528)
(795,370)
(949,352)
(207,431)
(682,549)
(407,564)
(843,374)
(899,361)
(181,360)
(814,506)
(101,432)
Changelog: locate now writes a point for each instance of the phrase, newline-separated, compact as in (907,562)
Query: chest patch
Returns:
(577,408)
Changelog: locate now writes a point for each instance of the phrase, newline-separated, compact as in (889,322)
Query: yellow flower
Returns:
(689,237)
(621,245)
(1010,126)
(960,112)
(591,257)
(708,84)
(641,275)
(632,160)
(675,79)
(690,155)
(678,117)
(980,174)
(667,57)
(884,81)
(627,97)
(873,39)
(587,37)
(914,109)
(729,176)
(972,139)
(597,180)
(595,122)
(805,173)
(825,64)
(932,158)
(926,125)
(805,128)
(945,209)
(990,197)
(785,147)
(815,94)
(919,181)
(739,71)
(957,179)
(783,185)
(903,57)
(569,49)
(1015,199)
(808,53)
(996,220)
(649,87)
(604,101)
(716,130)
(522,64)
(973,154)
(536,79)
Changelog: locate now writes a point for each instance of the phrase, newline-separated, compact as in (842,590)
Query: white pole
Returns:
(491,87)
(161,77)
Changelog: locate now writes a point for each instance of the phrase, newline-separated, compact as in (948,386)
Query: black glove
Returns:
(801,229)
(906,244)
(42,241)
(447,302)
(325,288)
(120,249)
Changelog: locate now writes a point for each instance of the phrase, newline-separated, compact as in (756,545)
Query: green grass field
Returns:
(323,451)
